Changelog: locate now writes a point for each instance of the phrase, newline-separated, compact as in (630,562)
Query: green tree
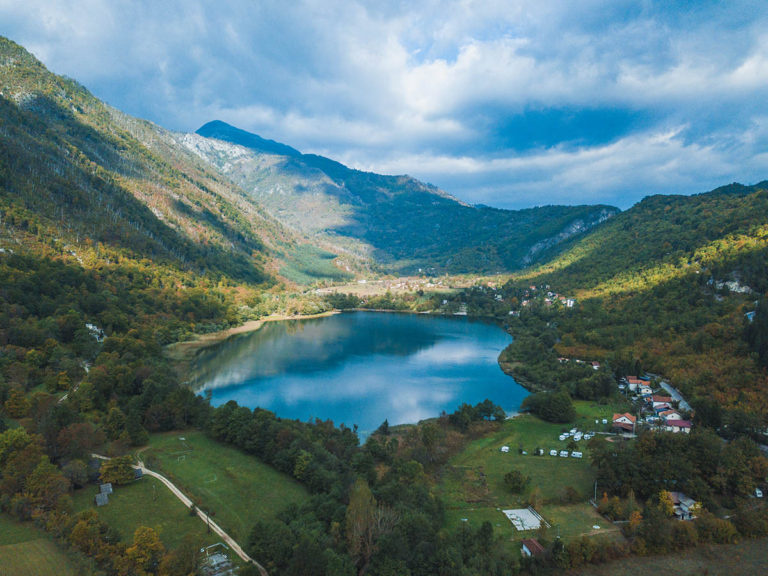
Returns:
(515,481)
(117,470)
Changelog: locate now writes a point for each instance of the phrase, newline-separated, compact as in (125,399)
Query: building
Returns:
(624,422)
(531,547)
(667,415)
(685,507)
(634,383)
(678,426)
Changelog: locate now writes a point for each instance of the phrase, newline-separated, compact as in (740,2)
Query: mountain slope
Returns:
(89,175)
(721,232)
(396,220)
(675,285)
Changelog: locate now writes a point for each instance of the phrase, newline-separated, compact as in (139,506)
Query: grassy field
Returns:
(26,551)
(238,488)
(473,483)
(146,502)
(747,558)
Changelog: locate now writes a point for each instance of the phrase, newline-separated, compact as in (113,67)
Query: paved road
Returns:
(676,396)
(203,516)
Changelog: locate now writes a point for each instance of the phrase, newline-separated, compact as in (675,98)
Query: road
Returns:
(676,396)
(202,515)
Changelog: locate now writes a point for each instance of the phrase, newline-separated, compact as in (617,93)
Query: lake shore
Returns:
(183,353)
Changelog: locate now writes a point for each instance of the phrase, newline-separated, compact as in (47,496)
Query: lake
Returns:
(361,368)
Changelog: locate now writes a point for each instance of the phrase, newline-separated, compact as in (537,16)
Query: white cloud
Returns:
(387,86)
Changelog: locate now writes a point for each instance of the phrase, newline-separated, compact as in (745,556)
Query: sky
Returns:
(505,103)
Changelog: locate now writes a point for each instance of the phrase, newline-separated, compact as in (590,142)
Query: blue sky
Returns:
(506,103)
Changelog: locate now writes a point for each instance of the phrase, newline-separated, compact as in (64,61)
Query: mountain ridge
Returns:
(398,221)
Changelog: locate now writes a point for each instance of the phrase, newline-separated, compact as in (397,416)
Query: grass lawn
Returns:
(238,488)
(747,558)
(146,502)
(473,482)
(26,551)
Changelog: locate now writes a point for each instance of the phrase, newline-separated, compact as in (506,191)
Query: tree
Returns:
(17,405)
(360,524)
(46,485)
(516,481)
(144,556)
(117,470)
(184,560)
(366,523)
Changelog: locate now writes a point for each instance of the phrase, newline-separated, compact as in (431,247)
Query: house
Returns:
(105,488)
(685,507)
(644,390)
(624,422)
(670,415)
(678,426)
(659,408)
(596,365)
(505,449)
(531,547)
(657,400)
(101,499)
(634,383)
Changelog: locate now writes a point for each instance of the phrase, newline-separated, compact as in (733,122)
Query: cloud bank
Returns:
(507,103)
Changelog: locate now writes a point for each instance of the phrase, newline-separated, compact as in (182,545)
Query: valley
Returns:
(131,254)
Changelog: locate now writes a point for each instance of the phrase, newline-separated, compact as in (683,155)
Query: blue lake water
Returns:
(361,368)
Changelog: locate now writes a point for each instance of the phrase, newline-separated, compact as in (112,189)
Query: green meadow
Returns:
(473,482)
(236,487)
(146,502)
(27,551)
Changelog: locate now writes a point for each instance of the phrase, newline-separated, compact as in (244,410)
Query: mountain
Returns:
(87,176)
(719,233)
(396,221)
(675,285)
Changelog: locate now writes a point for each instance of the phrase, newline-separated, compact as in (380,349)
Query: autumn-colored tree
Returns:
(117,470)
(17,405)
(143,558)
(665,503)
(184,560)
(46,485)
(635,517)
(79,440)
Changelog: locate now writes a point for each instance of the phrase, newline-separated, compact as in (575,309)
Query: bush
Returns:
(516,481)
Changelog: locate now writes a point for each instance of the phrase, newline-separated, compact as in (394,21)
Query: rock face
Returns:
(398,222)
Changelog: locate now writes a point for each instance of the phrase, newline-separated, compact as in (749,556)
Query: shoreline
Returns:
(181,354)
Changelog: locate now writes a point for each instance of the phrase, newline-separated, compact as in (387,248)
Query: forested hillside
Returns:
(397,221)
(676,286)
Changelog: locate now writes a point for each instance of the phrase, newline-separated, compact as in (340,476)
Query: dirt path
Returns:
(202,515)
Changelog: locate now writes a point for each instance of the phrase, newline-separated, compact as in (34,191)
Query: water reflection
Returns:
(361,368)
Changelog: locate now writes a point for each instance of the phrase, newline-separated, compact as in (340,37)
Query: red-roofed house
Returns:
(624,422)
(670,415)
(531,547)
(656,400)
(678,426)
(635,383)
